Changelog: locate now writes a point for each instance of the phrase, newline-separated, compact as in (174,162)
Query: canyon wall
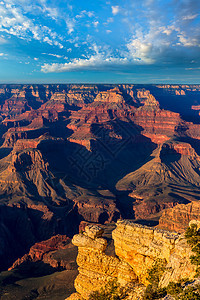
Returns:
(136,249)
(178,217)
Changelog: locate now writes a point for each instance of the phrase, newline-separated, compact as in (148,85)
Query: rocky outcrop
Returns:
(156,121)
(178,217)
(57,252)
(112,96)
(180,92)
(140,246)
(107,106)
(164,181)
(174,148)
(95,267)
(98,209)
(22,144)
(137,247)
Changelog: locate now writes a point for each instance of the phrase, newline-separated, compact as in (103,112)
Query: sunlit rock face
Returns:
(136,248)
(178,217)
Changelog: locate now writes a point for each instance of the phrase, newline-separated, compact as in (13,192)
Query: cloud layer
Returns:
(63,36)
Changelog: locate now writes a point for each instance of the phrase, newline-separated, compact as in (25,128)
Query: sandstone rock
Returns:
(81,240)
(95,267)
(140,246)
(178,217)
(137,247)
(40,250)
(93,231)
(113,95)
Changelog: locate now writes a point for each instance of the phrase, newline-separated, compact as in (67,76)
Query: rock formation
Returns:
(95,267)
(52,252)
(178,217)
(137,247)
(164,181)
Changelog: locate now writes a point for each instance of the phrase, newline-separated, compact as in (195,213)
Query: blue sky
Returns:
(113,41)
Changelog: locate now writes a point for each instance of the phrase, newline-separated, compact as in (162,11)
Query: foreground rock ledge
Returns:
(137,247)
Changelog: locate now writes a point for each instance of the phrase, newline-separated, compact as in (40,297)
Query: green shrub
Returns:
(152,292)
(156,271)
(154,275)
(190,293)
(192,236)
(174,288)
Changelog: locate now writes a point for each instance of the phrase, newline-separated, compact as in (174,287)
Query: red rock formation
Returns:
(144,210)
(169,178)
(15,106)
(180,92)
(112,96)
(195,107)
(184,149)
(97,209)
(22,144)
(178,217)
(41,251)
(37,177)
(107,106)
(156,121)
(193,130)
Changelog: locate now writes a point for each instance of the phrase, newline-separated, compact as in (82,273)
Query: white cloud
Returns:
(188,41)
(115,10)
(90,14)
(141,51)
(51,11)
(192,68)
(97,61)
(108,31)
(14,21)
(52,54)
(84,13)
(2,40)
(96,23)
(109,20)
(190,17)
(70,25)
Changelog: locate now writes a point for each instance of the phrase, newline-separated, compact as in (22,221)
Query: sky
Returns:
(111,41)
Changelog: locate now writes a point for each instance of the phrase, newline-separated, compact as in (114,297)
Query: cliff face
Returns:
(137,247)
(167,179)
(140,246)
(95,267)
(178,217)
(58,252)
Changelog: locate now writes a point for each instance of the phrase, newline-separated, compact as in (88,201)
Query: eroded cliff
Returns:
(137,248)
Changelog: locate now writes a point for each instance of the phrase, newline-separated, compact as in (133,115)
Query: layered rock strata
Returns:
(178,217)
(95,267)
(137,247)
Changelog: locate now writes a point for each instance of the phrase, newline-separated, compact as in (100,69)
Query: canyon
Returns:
(93,154)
